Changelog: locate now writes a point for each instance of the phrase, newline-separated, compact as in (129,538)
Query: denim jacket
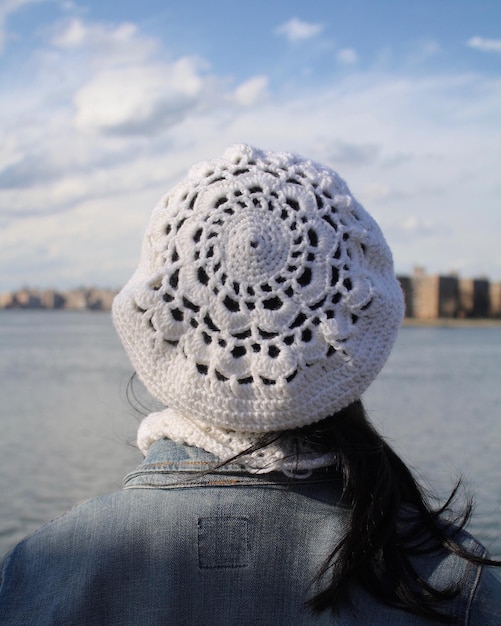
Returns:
(227,548)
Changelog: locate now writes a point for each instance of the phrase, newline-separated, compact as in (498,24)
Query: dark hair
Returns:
(391,520)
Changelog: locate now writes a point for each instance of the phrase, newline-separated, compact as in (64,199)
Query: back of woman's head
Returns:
(265,300)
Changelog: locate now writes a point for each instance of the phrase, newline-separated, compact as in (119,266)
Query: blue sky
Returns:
(104,105)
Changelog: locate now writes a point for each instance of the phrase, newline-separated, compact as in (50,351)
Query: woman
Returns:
(264,305)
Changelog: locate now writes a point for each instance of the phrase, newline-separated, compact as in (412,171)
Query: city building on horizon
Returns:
(433,296)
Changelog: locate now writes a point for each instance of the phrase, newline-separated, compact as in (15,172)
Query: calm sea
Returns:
(67,429)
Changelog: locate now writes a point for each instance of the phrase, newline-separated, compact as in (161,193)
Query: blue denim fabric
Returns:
(226,549)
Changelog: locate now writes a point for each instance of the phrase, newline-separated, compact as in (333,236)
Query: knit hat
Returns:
(265,299)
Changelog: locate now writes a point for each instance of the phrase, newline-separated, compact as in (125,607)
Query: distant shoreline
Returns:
(452,322)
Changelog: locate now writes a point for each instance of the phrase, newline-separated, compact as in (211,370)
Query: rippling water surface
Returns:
(67,428)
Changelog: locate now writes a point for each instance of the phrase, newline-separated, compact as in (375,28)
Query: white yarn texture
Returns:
(282,456)
(265,298)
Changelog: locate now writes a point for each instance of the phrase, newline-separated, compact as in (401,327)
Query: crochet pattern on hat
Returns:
(265,298)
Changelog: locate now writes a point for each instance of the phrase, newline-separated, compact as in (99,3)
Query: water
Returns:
(438,401)
(67,427)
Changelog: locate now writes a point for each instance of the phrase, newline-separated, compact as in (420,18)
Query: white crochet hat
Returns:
(265,299)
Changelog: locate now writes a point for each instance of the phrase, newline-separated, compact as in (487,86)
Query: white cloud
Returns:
(347,56)
(485,45)
(139,98)
(124,84)
(77,33)
(297,30)
(105,45)
(252,91)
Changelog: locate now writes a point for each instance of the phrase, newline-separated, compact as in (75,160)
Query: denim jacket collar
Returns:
(171,465)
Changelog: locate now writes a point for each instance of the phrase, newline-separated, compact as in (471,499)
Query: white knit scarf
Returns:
(285,455)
